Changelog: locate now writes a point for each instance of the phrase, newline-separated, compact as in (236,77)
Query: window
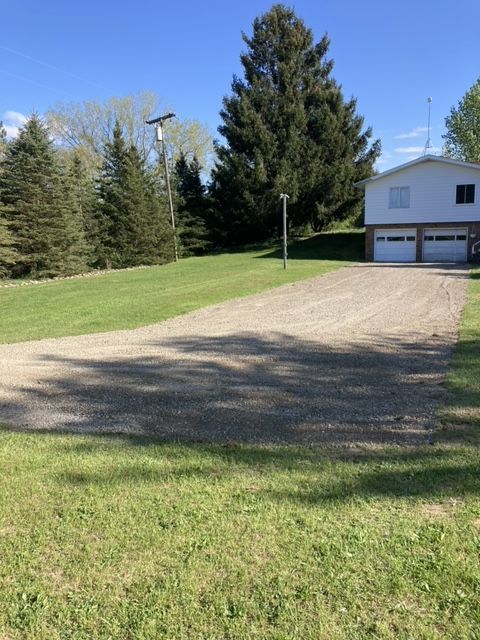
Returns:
(465,193)
(461,237)
(411,238)
(395,238)
(444,238)
(399,198)
(380,238)
(429,238)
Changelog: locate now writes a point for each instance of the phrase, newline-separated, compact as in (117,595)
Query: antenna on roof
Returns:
(428,144)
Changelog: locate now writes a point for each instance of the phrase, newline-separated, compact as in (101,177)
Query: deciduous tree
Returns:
(462,139)
(88,126)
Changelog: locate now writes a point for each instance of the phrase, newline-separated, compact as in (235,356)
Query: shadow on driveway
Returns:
(250,389)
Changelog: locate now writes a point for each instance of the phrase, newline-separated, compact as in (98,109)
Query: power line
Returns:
(37,84)
(53,67)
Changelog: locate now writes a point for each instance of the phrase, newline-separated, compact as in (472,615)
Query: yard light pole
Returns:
(158,122)
(284,197)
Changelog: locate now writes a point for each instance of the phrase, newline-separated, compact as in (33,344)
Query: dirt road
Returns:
(356,356)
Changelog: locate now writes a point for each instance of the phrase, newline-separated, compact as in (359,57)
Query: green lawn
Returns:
(462,415)
(132,539)
(128,299)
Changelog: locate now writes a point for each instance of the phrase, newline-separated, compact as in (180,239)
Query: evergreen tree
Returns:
(192,208)
(111,183)
(132,223)
(462,139)
(38,207)
(287,129)
(72,242)
(83,189)
(8,255)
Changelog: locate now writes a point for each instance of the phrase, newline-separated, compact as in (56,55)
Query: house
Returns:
(427,210)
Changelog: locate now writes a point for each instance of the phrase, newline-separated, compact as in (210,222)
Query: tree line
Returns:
(64,211)
(82,188)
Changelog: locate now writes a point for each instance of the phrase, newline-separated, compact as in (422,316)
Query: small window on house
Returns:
(444,238)
(411,238)
(395,238)
(461,237)
(429,238)
(399,198)
(380,238)
(465,194)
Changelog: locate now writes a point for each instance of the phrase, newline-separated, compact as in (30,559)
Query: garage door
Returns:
(444,245)
(399,245)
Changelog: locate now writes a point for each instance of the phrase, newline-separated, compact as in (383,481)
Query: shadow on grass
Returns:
(304,475)
(245,401)
(349,246)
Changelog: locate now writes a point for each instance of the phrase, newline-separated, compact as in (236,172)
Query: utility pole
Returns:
(284,197)
(158,122)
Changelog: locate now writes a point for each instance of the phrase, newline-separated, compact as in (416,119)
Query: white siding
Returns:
(432,195)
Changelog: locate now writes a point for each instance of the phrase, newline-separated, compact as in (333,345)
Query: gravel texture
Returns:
(356,356)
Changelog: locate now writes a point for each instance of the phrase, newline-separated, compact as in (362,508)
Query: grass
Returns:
(129,538)
(129,299)
(462,414)
(107,537)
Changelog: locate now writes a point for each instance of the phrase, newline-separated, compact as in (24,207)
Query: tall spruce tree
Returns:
(83,189)
(111,182)
(287,129)
(38,207)
(192,206)
(132,222)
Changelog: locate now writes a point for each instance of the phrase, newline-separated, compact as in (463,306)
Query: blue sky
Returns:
(391,56)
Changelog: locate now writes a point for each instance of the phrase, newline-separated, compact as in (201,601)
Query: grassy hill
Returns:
(138,297)
(128,537)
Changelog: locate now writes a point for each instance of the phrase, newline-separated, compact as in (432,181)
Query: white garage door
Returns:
(444,245)
(395,245)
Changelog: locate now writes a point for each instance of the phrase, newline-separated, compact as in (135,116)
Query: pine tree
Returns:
(132,222)
(192,207)
(111,183)
(38,206)
(287,129)
(83,188)
(73,243)
(8,255)
(147,233)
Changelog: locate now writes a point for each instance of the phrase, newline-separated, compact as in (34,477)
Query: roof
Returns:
(427,158)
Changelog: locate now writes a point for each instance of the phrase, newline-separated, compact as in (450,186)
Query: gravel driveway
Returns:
(355,356)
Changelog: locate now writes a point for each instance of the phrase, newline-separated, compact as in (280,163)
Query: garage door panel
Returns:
(395,245)
(445,245)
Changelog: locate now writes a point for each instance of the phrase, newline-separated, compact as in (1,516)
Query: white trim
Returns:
(428,158)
